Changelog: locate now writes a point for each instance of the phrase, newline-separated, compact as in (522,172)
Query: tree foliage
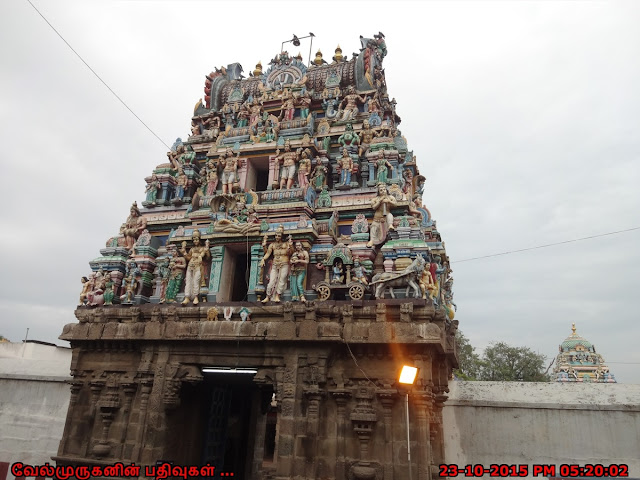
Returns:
(469,363)
(499,362)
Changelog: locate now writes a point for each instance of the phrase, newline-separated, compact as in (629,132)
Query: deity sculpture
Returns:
(427,282)
(350,110)
(109,286)
(228,114)
(212,177)
(87,286)
(177,267)
(337,274)
(255,111)
(212,126)
(349,139)
(345,167)
(304,169)
(181,183)
(130,286)
(271,130)
(304,102)
(407,176)
(230,171)
(289,160)
(382,166)
(288,108)
(319,175)
(195,268)
(188,156)
(281,252)
(243,116)
(133,227)
(298,267)
(382,217)
(373,104)
(359,273)
(366,136)
(152,189)
(414,205)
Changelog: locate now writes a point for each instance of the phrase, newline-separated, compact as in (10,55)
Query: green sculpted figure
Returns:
(177,266)
(383,173)
(108,290)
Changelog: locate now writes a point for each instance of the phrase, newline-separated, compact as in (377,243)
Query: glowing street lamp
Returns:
(408,376)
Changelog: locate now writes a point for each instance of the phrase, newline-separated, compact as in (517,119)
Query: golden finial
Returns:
(573,328)
(338,56)
(258,71)
(318,60)
(299,56)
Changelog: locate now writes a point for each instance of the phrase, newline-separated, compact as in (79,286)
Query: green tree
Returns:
(469,362)
(504,363)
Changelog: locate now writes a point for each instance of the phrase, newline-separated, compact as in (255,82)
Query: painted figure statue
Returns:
(181,183)
(195,268)
(177,267)
(359,273)
(304,169)
(288,109)
(337,273)
(230,172)
(318,178)
(345,165)
(350,109)
(382,217)
(298,266)
(288,159)
(383,166)
(133,227)
(281,252)
(152,189)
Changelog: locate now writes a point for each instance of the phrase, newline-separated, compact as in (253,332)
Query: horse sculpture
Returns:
(406,278)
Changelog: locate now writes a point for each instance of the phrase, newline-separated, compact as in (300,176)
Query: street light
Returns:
(296,41)
(407,377)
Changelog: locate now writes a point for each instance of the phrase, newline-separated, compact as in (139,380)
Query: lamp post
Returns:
(296,41)
(407,377)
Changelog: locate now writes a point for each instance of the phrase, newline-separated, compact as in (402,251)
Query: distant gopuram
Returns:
(578,361)
(253,314)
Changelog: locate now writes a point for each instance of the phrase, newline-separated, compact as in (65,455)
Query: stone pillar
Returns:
(217,257)
(145,390)
(422,412)
(256,286)
(284,454)
(341,397)
(76,386)
(387,399)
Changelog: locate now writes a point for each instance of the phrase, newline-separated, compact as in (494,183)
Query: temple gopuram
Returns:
(253,314)
(579,362)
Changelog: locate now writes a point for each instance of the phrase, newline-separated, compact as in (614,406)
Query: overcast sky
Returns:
(523,117)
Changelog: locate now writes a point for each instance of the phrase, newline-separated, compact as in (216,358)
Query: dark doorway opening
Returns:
(240,278)
(262,180)
(231,415)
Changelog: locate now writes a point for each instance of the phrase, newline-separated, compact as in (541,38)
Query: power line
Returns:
(98,76)
(547,245)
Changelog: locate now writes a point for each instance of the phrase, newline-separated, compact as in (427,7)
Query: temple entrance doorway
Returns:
(235,421)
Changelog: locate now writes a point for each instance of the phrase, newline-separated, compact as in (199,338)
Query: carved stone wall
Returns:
(138,389)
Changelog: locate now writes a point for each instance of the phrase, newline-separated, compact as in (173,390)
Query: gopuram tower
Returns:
(254,312)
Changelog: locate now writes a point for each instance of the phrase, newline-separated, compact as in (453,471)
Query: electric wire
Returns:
(98,76)
(547,245)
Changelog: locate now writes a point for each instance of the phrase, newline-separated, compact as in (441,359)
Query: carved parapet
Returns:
(283,196)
